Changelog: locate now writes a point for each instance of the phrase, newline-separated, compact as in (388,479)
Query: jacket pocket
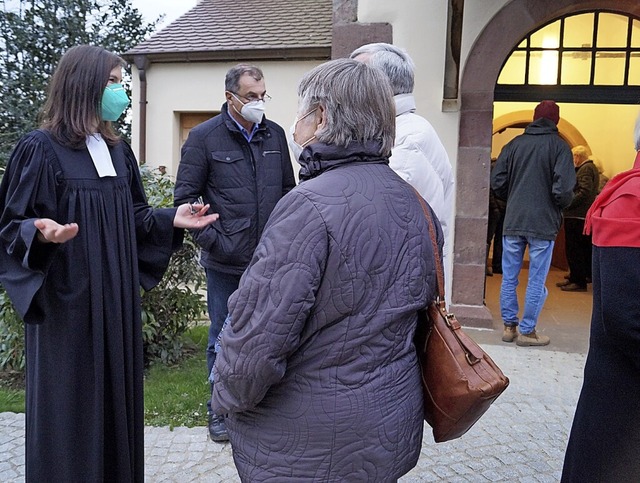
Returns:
(230,169)
(234,243)
(227,156)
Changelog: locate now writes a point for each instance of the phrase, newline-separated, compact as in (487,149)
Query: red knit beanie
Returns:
(548,110)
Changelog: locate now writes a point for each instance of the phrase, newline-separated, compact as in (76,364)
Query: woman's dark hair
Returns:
(73,109)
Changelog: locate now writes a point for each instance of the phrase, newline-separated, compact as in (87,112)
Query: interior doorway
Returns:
(478,90)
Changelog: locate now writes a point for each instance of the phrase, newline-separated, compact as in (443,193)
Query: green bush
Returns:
(11,332)
(176,303)
(11,336)
(167,311)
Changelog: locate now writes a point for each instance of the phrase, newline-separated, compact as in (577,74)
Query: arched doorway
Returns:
(477,87)
(567,131)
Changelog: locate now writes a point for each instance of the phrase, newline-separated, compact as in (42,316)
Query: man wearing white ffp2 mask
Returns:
(239,163)
(252,110)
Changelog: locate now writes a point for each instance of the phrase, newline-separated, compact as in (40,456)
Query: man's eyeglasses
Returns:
(252,98)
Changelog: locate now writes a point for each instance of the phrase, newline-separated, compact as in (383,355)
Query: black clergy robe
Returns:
(81,304)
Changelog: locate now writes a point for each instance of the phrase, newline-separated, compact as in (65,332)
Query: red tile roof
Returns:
(233,30)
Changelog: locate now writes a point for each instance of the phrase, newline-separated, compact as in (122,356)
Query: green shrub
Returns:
(173,306)
(167,311)
(11,336)
(176,303)
(11,332)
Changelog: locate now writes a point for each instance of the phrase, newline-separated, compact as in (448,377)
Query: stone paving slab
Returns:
(522,438)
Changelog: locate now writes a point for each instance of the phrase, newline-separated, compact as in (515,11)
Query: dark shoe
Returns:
(567,276)
(497,271)
(563,283)
(217,428)
(573,287)
(510,333)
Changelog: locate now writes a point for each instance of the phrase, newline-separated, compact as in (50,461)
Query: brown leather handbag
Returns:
(459,380)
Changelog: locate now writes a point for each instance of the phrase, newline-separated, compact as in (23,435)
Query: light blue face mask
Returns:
(114,102)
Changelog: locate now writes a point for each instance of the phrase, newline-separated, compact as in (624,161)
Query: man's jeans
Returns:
(540,252)
(220,286)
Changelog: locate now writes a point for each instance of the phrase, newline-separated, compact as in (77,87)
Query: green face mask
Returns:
(114,102)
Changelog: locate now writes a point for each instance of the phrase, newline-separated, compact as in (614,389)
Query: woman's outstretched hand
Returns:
(50,231)
(193,216)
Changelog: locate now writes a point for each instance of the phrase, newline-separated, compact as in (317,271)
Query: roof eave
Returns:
(286,53)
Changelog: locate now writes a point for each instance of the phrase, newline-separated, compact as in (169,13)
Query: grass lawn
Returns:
(177,396)
(173,396)
(11,400)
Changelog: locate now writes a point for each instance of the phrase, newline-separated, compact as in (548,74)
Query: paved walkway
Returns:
(521,438)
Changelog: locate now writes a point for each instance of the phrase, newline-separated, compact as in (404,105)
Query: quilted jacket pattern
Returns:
(317,368)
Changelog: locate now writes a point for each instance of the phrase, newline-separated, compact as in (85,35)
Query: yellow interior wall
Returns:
(607,128)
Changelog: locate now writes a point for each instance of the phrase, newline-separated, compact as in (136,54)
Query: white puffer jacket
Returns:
(420,159)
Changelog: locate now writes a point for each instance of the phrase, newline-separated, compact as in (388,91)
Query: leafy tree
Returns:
(34,35)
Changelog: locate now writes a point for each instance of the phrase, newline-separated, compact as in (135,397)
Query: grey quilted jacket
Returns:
(317,369)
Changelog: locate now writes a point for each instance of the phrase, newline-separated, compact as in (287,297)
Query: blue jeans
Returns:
(540,252)
(220,286)
(216,347)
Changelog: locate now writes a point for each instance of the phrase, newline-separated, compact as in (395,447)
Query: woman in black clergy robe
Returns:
(77,239)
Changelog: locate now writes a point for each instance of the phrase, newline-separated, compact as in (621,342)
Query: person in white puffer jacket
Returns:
(418,155)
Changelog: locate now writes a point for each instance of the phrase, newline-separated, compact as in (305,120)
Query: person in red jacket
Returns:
(604,443)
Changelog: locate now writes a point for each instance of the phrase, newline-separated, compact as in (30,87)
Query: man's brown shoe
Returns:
(532,339)
(563,283)
(510,333)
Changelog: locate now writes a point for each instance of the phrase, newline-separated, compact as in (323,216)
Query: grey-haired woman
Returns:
(317,370)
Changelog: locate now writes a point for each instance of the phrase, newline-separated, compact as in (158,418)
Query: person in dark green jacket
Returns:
(535,174)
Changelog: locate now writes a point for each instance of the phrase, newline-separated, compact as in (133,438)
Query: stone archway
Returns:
(567,131)
(477,86)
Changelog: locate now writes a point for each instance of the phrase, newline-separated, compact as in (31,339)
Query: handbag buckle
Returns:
(468,356)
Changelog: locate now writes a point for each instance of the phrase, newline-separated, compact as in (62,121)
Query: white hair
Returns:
(393,61)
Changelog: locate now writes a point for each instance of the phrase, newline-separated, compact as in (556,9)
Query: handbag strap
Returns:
(436,251)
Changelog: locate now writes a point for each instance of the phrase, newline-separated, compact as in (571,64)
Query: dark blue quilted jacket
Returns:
(317,368)
(241,180)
